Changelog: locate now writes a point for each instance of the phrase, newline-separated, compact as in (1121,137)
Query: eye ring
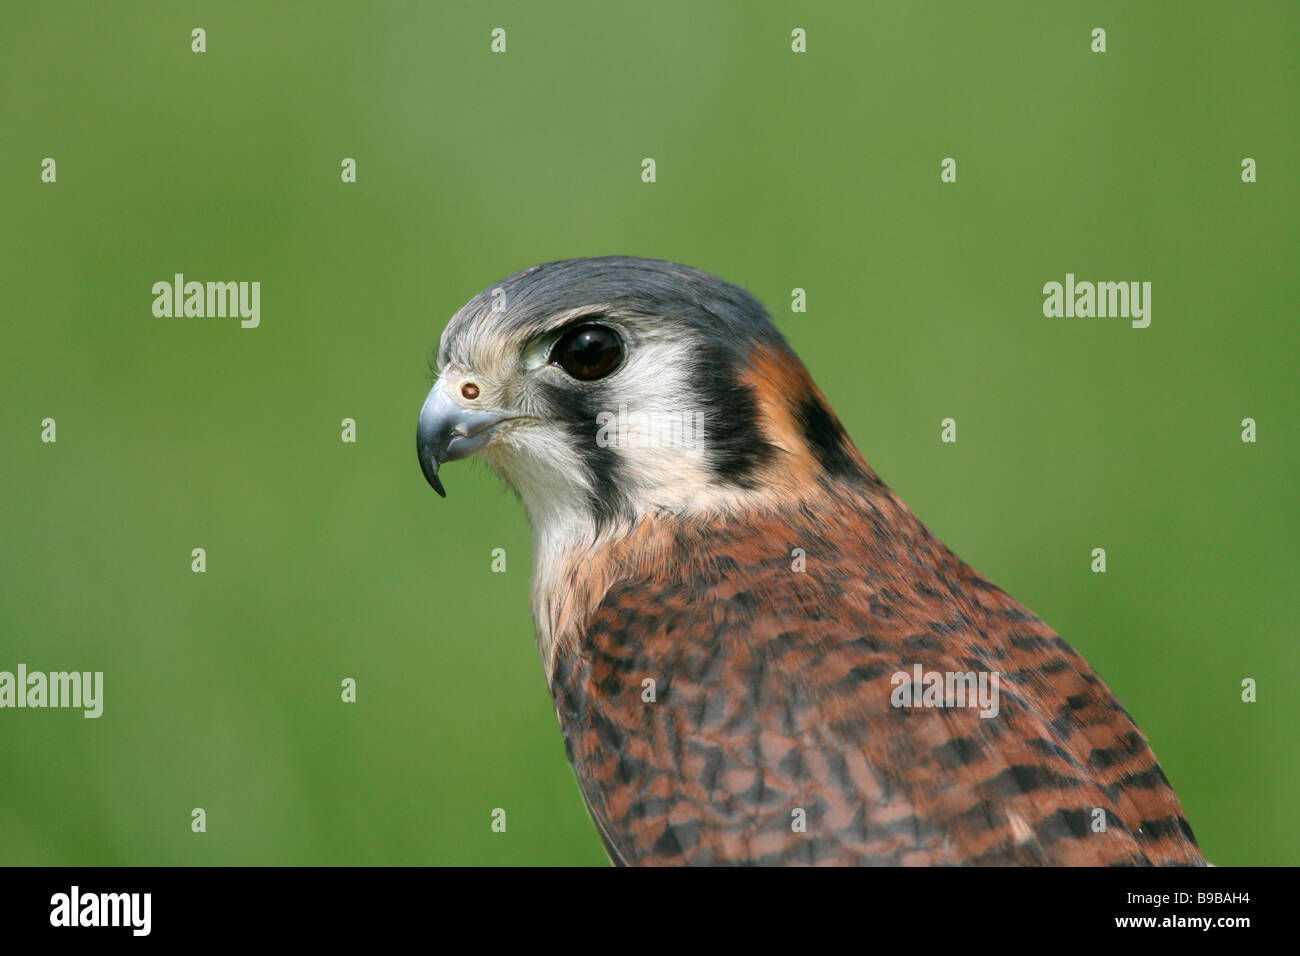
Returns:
(588,352)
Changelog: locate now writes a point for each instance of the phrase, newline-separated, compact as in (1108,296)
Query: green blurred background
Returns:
(775,170)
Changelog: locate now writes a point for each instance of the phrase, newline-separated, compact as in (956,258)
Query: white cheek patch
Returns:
(655,423)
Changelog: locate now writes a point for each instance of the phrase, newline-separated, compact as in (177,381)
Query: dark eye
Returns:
(588,352)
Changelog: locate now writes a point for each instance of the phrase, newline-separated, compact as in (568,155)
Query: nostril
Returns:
(469,390)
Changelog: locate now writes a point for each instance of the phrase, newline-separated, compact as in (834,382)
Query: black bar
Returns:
(932,907)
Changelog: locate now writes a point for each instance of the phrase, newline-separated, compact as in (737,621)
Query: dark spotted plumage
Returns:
(772,694)
(723,634)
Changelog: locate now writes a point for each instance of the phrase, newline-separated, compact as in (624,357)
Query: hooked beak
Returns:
(448,432)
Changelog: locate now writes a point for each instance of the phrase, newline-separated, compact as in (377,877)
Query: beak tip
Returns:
(430,469)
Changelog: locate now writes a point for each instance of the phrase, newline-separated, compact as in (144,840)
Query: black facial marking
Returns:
(577,410)
(826,438)
(736,448)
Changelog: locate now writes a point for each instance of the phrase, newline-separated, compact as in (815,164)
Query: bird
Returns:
(756,652)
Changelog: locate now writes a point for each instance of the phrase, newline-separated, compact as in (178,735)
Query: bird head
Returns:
(610,388)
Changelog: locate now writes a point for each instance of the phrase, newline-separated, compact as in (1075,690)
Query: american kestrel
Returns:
(757,653)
